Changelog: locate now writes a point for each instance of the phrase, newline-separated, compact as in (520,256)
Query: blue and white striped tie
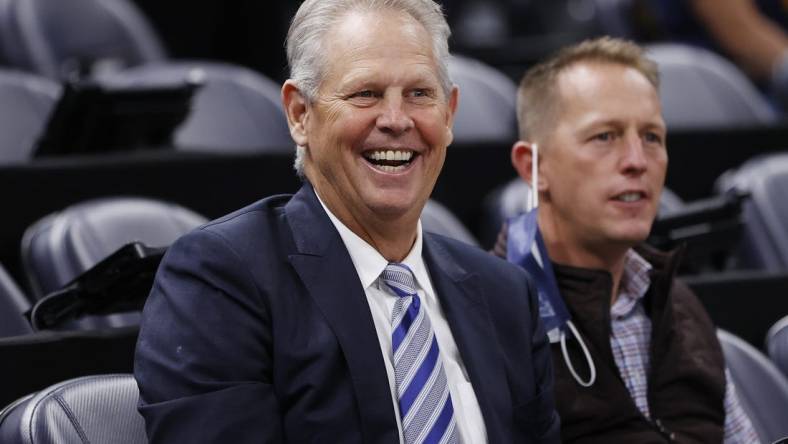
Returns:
(424,400)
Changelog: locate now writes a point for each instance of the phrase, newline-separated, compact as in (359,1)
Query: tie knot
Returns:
(400,279)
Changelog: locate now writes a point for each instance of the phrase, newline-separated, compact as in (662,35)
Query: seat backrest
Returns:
(438,219)
(62,245)
(701,89)
(762,389)
(487,106)
(764,243)
(90,409)
(777,344)
(58,39)
(235,109)
(13,305)
(26,100)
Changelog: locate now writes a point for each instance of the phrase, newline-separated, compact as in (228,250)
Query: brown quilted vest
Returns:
(686,382)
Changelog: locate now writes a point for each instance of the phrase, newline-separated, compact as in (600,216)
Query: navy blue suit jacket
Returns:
(257,330)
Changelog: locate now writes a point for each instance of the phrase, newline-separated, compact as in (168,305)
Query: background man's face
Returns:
(604,161)
(378,130)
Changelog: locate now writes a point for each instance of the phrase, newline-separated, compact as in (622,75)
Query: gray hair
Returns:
(315,18)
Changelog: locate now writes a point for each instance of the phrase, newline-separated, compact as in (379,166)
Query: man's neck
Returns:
(564,248)
(393,239)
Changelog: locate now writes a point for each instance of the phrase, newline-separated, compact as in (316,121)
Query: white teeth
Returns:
(629,197)
(389,168)
(402,156)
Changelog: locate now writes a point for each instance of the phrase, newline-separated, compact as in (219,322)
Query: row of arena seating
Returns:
(237,109)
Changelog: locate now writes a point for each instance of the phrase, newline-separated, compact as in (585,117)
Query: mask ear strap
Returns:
(534,176)
(589,360)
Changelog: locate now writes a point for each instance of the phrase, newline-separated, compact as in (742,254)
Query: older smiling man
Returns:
(329,316)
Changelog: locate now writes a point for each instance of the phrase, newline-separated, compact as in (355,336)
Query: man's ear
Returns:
(522,155)
(296,111)
(453,100)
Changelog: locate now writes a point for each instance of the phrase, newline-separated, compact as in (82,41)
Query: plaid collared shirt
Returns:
(630,336)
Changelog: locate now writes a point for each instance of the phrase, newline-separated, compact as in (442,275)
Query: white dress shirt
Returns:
(369,265)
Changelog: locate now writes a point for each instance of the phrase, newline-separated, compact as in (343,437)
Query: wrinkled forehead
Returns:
(360,37)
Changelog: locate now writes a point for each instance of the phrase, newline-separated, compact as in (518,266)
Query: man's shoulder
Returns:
(254,213)
(245,230)
(474,259)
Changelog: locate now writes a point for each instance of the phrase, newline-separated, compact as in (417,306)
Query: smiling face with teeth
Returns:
(603,162)
(377,133)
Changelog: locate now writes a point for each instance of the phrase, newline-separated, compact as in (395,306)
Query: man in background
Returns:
(658,373)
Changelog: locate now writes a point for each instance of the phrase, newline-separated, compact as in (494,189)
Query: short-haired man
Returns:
(328,316)
(594,112)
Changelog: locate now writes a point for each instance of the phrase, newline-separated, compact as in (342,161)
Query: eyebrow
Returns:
(619,122)
(420,77)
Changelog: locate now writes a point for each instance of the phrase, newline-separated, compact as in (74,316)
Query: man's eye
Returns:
(365,94)
(605,137)
(653,138)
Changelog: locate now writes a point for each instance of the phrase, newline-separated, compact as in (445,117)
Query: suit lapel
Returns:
(463,302)
(325,267)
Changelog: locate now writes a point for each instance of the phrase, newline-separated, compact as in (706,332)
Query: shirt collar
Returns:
(369,263)
(635,281)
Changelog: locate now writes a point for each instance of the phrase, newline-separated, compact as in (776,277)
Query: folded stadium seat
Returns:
(235,109)
(90,409)
(487,108)
(762,389)
(437,219)
(13,305)
(25,103)
(777,344)
(700,89)
(62,245)
(765,240)
(64,39)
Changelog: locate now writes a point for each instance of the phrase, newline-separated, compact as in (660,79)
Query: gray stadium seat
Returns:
(13,304)
(487,107)
(61,39)
(235,109)
(765,241)
(777,344)
(91,409)
(762,389)
(438,219)
(26,101)
(701,89)
(62,245)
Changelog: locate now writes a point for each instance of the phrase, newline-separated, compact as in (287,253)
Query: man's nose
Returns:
(394,118)
(634,159)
